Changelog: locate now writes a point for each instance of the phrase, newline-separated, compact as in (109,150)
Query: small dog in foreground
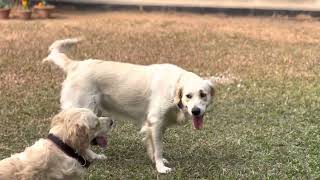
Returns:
(65,153)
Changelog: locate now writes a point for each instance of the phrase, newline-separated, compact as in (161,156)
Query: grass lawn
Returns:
(265,126)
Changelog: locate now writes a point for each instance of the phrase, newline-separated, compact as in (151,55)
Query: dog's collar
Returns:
(68,150)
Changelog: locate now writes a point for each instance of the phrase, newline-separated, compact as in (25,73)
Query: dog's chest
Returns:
(175,116)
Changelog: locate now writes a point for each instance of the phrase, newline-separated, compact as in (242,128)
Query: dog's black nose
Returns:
(195,111)
(111,122)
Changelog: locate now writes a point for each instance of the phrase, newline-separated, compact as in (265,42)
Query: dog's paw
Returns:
(101,157)
(163,169)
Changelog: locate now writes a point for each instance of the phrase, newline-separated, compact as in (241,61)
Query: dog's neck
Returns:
(60,132)
(68,150)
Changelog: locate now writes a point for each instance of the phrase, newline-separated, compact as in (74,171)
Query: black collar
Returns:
(68,150)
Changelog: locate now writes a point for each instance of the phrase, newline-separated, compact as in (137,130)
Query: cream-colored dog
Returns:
(65,153)
(156,95)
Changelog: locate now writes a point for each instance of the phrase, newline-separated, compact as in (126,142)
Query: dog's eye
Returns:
(203,95)
(189,96)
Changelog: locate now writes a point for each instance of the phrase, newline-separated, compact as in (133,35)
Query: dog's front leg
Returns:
(146,131)
(92,156)
(156,136)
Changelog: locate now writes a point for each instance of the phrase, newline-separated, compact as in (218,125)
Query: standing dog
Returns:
(65,153)
(157,95)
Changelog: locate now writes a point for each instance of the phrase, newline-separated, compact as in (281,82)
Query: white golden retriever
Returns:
(65,153)
(156,95)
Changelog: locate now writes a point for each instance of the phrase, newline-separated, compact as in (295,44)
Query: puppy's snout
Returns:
(195,111)
(111,122)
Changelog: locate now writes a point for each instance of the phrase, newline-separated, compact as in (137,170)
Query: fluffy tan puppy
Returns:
(47,159)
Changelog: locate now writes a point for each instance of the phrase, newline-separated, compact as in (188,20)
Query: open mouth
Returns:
(197,122)
(101,141)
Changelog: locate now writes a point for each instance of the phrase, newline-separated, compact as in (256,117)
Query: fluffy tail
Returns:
(56,53)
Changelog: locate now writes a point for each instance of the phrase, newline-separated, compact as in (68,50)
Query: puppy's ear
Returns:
(212,88)
(178,95)
(78,137)
(77,134)
(213,91)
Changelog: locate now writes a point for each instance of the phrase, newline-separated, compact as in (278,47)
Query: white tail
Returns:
(56,52)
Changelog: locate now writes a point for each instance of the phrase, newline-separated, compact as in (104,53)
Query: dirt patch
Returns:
(224,79)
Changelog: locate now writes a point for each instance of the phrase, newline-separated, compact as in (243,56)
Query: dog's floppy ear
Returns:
(212,88)
(178,95)
(78,137)
(77,134)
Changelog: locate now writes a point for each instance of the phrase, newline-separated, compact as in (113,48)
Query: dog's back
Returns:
(41,161)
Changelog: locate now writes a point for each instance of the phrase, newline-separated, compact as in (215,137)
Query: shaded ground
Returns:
(267,125)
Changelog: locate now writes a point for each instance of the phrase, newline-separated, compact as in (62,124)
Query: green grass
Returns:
(265,126)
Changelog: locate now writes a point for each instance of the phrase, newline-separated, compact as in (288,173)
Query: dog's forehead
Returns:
(197,86)
(85,115)
(206,85)
(193,82)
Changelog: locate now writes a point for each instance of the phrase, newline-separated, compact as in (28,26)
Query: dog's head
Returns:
(78,127)
(193,94)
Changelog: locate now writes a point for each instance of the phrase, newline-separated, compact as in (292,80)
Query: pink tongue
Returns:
(198,122)
(102,141)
